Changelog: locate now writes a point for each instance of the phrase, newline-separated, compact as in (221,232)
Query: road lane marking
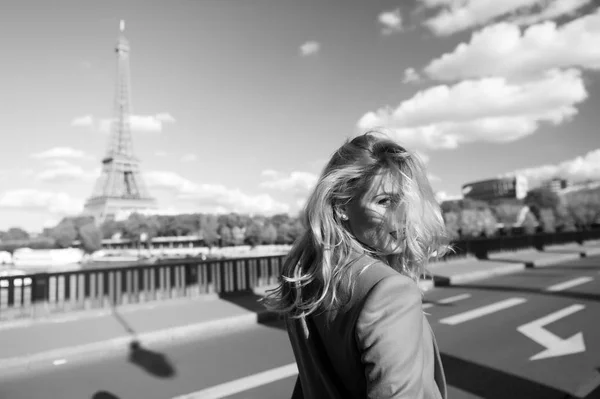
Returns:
(554,345)
(451,299)
(482,311)
(569,284)
(243,384)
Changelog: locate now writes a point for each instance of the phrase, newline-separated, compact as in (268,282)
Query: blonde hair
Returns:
(315,272)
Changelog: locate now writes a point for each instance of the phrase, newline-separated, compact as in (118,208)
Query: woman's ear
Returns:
(341,212)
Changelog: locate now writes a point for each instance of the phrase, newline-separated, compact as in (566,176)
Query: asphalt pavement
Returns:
(531,334)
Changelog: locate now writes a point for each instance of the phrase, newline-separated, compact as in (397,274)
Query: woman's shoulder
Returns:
(371,273)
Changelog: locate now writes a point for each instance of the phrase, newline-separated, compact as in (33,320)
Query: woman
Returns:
(348,289)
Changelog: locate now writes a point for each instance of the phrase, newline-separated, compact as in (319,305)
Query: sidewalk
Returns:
(26,342)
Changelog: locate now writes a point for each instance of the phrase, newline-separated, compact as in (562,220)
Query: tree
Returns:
(64,234)
(137,225)
(209,226)
(506,213)
(530,224)
(226,238)
(15,233)
(452,222)
(237,235)
(547,221)
(475,223)
(283,234)
(584,206)
(541,198)
(252,235)
(268,234)
(90,237)
(110,228)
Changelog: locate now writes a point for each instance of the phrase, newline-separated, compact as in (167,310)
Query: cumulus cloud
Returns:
(309,48)
(502,50)
(213,197)
(61,171)
(442,196)
(189,158)
(59,152)
(53,202)
(141,123)
(296,182)
(391,21)
(83,121)
(552,10)
(576,170)
(490,109)
(456,15)
(410,75)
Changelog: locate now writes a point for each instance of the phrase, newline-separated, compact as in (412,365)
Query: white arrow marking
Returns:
(569,284)
(482,311)
(555,346)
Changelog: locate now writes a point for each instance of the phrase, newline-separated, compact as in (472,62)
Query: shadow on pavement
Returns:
(564,294)
(490,383)
(154,363)
(104,395)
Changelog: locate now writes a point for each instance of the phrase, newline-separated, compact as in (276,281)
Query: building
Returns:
(503,187)
(120,186)
(555,185)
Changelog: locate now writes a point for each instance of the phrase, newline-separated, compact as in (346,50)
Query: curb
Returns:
(444,281)
(121,344)
(557,259)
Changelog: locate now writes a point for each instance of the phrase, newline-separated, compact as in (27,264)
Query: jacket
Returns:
(378,346)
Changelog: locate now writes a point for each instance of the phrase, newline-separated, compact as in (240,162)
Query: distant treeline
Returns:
(464,218)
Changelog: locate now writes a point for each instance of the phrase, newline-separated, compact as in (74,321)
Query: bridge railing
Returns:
(35,295)
(40,294)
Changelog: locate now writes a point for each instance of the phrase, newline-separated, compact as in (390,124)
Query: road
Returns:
(494,337)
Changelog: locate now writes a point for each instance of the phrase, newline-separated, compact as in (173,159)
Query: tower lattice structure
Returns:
(120,186)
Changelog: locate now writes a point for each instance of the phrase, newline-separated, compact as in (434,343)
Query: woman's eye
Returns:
(384,201)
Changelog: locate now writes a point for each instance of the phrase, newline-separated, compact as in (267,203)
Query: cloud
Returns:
(213,197)
(578,169)
(391,21)
(442,196)
(299,183)
(61,172)
(53,202)
(141,123)
(501,50)
(309,48)
(553,10)
(59,152)
(410,75)
(189,158)
(161,153)
(83,121)
(456,16)
(490,109)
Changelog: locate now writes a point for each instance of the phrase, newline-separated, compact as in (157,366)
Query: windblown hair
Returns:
(315,272)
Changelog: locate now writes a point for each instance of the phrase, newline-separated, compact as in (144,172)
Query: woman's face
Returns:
(375,216)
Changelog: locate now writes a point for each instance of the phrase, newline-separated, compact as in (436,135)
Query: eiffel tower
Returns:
(120,186)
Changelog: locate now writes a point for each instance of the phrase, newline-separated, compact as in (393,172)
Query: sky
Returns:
(238,105)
